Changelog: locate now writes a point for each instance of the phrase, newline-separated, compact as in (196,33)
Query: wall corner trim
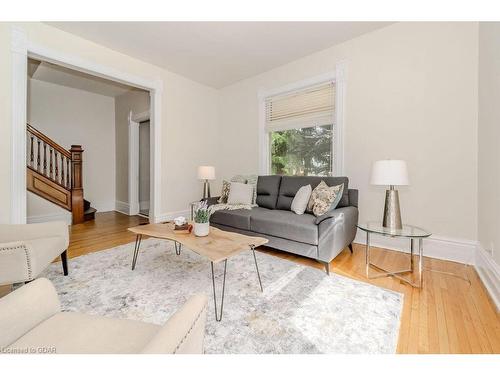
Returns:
(489,273)
(19,55)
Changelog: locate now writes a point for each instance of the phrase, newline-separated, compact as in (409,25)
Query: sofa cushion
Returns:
(291,184)
(267,191)
(232,218)
(284,224)
(70,332)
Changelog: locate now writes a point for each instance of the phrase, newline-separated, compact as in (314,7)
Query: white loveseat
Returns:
(31,321)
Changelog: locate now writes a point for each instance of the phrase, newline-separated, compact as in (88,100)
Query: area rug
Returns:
(302,310)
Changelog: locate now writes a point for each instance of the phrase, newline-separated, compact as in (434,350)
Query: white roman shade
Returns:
(312,106)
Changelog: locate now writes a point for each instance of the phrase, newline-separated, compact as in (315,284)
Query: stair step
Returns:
(89,214)
(86,205)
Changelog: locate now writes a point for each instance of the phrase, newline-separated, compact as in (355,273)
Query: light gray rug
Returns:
(302,310)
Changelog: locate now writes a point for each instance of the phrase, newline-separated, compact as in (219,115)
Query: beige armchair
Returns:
(31,322)
(27,249)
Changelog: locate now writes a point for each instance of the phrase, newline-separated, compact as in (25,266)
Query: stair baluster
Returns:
(32,155)
(38,156)
(51,167)
(62,170)
(45,159)
(56,164)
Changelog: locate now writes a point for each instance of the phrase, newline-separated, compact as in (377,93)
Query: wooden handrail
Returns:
(48,141)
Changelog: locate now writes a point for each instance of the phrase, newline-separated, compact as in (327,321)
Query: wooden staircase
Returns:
(55,174)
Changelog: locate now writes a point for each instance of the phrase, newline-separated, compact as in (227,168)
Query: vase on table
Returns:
(201,229)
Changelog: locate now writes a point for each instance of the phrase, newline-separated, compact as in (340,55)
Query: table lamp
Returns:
(206,173)
(391,173)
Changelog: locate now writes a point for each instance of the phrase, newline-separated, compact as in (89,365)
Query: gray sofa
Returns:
(321,238)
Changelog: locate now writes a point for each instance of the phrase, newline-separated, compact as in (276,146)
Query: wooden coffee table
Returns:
(218,247)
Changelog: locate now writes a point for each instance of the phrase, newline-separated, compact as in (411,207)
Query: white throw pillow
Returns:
(240,193)
(299,203)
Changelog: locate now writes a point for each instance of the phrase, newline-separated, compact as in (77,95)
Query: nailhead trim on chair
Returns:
(28,260)
(190,329)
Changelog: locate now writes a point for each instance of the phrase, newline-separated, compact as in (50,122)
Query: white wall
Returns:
(489,139)
(411,94)
(70,116)
(189,120)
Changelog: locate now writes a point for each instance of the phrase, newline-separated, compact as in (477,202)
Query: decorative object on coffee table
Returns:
(392,173)
(202,220)
(218,247)
(206,173)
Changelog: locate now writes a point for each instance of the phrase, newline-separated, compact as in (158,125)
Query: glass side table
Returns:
(408,231)
(192,207)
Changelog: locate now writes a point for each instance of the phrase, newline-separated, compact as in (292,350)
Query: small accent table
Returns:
(408,231)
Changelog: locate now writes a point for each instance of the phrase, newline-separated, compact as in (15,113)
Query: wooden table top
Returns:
(217,246)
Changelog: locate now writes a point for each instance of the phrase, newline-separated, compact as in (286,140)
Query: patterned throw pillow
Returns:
(224,195)
(324,198)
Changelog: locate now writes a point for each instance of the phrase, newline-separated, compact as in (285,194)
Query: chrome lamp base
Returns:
(392,212)
(206,189)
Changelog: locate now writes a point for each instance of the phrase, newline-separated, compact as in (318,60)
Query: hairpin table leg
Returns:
(217,316)
(138,239)
(178,247)
(256,267)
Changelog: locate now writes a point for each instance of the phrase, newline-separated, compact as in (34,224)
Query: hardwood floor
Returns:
(446,316)
(109,229)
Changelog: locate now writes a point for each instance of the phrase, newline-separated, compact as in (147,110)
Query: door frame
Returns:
(21,49)
(134,121)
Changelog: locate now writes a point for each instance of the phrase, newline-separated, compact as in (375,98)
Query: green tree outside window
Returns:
(302,152)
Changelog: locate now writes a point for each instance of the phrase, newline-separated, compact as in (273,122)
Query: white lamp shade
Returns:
(206,172)
(389,172)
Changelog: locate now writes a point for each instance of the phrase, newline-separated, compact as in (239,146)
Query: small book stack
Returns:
(183,229)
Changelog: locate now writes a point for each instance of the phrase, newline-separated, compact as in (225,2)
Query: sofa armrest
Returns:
(15,263)
(25,308)
(212,200)
(336,230)
(19,232)
(333,214)
(353,197)
(183,333)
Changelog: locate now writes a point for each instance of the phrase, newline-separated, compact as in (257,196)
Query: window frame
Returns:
(338,77)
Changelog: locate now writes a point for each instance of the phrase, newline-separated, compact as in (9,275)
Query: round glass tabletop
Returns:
(407,230)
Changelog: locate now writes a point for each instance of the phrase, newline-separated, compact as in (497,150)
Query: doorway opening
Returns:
(26,48)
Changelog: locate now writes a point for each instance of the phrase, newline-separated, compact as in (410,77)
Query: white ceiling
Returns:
(218,53)
(44,71)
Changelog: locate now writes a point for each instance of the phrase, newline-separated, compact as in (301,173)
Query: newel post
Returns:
(77,206)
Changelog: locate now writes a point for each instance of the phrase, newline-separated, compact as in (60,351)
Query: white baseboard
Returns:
(489,273)
(171,215)
(122,207)
(456,250)
(66,217)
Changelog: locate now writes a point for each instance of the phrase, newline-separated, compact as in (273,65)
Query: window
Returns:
(300,128)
